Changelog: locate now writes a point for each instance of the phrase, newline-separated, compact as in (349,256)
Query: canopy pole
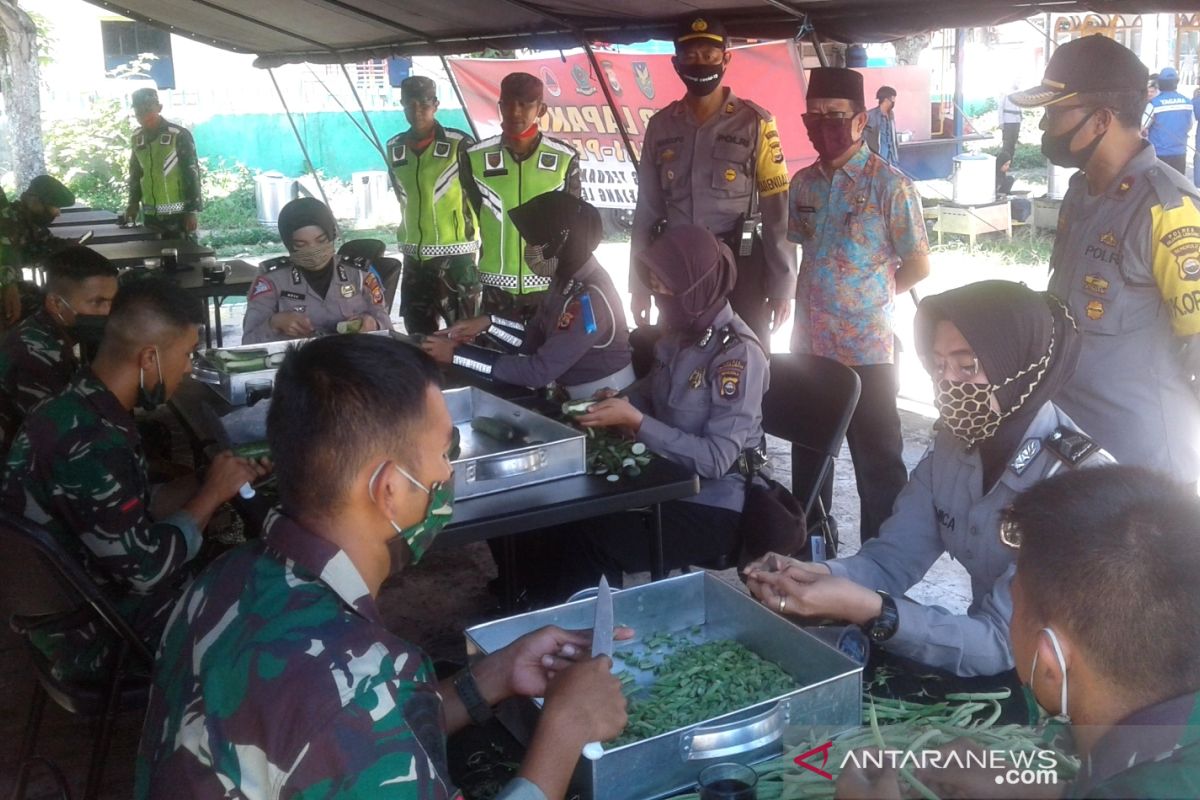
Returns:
(602,77)
(462,101)
(822,59)
(345,110)
(299,140)
(363,109)
(960,59)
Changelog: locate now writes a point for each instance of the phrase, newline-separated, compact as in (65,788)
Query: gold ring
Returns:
(782,603)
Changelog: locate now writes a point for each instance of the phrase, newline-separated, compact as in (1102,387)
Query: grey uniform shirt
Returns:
(705,173)
(703,405)
(354,290)
(563,344)
(943,509)
(1125,263)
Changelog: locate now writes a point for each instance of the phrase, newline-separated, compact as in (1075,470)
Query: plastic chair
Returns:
(43,585)
(809,404)
(388,268)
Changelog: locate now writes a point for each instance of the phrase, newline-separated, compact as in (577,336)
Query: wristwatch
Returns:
(886,624)
(468,692)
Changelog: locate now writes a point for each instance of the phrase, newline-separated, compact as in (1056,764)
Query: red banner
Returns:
(577,111)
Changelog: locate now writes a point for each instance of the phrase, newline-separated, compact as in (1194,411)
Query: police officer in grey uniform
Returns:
(1126,261)
(314,289)
(701,407)
(999,353)
(714,160)
(577,338)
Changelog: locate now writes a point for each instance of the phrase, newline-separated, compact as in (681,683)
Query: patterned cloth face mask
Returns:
(438,512)
(966,408)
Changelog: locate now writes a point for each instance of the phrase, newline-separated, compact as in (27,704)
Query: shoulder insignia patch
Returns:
(1025,456)
(569,314)
(1070,447)
(261,286)
(729,377)
(373,288)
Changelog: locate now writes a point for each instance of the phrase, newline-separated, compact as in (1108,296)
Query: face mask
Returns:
(313,257)
(87,329)
(965,408)
(671,313)
(1058,148)
(701,80)
(535,259)
(831,137)
(438,512)
(152,398)
(1063,715)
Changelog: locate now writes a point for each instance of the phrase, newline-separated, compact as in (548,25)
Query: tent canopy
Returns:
(329,31)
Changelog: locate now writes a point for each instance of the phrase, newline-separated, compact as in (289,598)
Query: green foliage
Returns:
(228,192)
(91,154)
(1028,156)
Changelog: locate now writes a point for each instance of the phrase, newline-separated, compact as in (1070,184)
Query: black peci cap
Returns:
(832,83)
(1086,65)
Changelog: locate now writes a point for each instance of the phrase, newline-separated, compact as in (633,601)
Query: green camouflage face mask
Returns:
(420,536)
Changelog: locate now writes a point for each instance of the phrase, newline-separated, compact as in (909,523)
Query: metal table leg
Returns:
(657,571)
(217,315)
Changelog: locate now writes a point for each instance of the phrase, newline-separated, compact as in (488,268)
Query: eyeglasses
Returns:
(830,115)
(964,368)
(1010,534)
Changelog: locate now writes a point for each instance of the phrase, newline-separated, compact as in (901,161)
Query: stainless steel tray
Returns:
(232,387)
(828,698)
(545,450)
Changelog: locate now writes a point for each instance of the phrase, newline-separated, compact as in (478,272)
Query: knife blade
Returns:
(602,644)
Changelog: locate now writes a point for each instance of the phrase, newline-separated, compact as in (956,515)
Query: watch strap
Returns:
(884,626)
(468,691)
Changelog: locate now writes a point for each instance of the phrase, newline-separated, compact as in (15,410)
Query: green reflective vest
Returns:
(163,190)
(437,220)
(505,183)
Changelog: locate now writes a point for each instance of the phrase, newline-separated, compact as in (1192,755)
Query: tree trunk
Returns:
(908,49)
(21,85)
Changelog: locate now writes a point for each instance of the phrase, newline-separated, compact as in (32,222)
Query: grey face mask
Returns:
(535,259)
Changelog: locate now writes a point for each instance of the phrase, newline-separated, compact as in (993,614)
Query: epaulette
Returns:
(491,142)
(358,262)
(767,116)
(1167,191)
(1070,446)
(455,133)
(278,263)
(728,336)
(175,129)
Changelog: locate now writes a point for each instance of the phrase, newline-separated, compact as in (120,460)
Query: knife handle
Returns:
(592,751)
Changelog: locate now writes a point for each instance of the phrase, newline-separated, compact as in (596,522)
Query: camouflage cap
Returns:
(418,87)
(144,98)
(51,191)
(521,86)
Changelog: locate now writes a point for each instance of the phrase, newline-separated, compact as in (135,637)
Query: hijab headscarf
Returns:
(1026,343)
(317,260)
(560,231)
(699,271)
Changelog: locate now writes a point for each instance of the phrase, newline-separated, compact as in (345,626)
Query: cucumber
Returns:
(238,355)
(253,450)
(577,408)
(350,326)
(256,364)
(497,429)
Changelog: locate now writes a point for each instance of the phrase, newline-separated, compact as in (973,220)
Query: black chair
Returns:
(809,404)
(42,586)
(388,268)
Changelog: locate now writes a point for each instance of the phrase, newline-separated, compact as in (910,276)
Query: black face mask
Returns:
(701,80)
(1058,148)
(88,329)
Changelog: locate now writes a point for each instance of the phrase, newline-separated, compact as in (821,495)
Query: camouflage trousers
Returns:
(171,226)
(517,307)
(436,290)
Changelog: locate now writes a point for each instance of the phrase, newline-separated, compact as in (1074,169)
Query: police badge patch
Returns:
(441,149)
(568,316)
(347,291)
(548,161)
(729,377)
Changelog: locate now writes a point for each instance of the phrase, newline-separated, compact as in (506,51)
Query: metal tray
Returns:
(232,387)
(827,701)
(546,450)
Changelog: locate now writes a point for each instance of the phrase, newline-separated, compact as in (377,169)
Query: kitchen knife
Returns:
(602,644)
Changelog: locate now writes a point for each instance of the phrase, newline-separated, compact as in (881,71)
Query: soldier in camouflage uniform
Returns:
(1104,635)
(164,172)
(25,239)
(77,468)
(38,358)
(276,676)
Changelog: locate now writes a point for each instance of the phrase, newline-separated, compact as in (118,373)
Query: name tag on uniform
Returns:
(293,295)
(441,149)
(548,161)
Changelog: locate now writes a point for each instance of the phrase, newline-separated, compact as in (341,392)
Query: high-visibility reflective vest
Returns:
(162,175)
(437,221)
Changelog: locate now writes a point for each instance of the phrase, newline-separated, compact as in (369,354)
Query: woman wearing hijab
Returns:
(998,352)
(313,289)
(700,406)
(578,337)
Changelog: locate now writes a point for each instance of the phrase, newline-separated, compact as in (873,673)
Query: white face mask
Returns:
(1062,714)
